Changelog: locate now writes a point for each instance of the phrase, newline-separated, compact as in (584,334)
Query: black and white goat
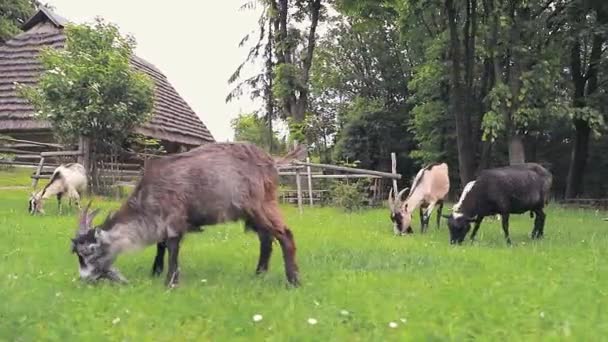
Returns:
(68,180)
(507,190)
(429,188)
(177,194)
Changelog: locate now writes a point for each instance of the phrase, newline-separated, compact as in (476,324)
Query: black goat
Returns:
(507,190)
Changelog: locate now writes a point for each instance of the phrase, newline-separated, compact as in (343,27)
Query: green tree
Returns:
(251,128)
(89,88)
(13,13)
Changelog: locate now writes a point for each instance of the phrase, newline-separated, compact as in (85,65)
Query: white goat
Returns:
(429,188)
(67,180)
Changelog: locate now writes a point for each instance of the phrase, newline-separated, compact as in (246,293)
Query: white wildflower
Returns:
(392,325)
(116,321)
(403,320)
(344,313)
(257,317)
(542,314)
(312,321)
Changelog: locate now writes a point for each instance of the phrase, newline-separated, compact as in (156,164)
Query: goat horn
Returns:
(91,216)
(83,218)
(401,193)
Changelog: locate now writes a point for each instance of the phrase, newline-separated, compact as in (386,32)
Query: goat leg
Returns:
(539,224)
(289,256)
(173,273)
(439,210)
(422,221)
(476,228)
(265,250)
(59,195)
(505,227)
(159,260)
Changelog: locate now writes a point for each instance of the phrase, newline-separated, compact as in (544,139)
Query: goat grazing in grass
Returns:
(429,188)
(507,190)
(68,180)
(177,194)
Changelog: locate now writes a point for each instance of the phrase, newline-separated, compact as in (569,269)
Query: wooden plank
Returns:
(23,163)
(394,171)
(299,186)
(291,173)
(350,169)
(343,176)
(15,150)
(28,156)
(32,142)
(61,153)
(37,174)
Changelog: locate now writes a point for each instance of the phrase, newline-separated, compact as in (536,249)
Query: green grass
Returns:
(17,176)
(554,289)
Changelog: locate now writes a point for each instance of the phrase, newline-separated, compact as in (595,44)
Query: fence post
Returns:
(84,159)
(298,181)
(394,171)
(309,183)
(38,171)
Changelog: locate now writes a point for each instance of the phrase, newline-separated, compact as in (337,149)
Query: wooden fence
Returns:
(300,169)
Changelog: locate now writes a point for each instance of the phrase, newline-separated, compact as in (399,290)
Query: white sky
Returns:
(194,43)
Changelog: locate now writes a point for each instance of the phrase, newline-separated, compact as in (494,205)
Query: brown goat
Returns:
(177,194)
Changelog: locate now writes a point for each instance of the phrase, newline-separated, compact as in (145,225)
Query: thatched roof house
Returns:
(173,122)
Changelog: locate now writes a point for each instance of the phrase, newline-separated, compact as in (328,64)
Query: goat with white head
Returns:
(429,188)
(67,180)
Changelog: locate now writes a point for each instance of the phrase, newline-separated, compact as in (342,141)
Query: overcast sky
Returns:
(194,43)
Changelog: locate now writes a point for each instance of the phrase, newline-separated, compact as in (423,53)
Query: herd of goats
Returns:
(224,182)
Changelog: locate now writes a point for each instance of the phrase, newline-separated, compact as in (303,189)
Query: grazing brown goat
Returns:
(429,188)
(177,194)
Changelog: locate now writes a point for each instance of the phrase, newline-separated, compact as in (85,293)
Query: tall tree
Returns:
(260,84)
(460,83)
(294,50)
(587,51)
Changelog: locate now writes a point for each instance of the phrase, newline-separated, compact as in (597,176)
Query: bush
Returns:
(6,157)
(348,196)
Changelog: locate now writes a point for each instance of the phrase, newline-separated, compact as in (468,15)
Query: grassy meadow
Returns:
(357,279)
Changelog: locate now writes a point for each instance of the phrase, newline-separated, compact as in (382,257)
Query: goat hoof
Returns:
(156,271)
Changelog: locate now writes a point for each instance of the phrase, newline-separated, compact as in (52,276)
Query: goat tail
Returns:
(298,153)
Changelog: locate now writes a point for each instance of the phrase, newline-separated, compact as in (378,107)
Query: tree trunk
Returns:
(517,151)
(578,160)
(580,147)
(466,150)
(268,90)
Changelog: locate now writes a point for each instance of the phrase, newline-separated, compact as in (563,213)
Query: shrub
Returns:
(348,196)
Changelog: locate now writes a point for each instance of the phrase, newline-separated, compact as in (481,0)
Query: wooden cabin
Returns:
(174,123)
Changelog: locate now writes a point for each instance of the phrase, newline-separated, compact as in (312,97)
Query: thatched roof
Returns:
(173,119)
